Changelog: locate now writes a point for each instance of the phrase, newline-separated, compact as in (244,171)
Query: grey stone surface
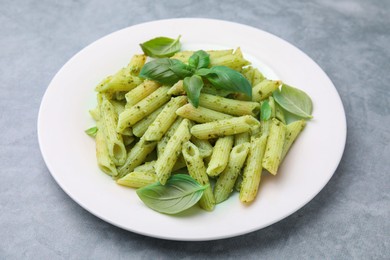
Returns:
(349,219)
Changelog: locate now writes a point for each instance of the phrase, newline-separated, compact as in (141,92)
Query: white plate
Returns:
(70,154)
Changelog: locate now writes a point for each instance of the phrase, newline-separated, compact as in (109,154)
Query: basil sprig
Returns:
(166,71)
(169,71)
(294,101)
(223,77)
(179,193)
(161,47)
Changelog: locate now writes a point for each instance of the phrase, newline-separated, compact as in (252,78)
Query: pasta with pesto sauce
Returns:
(147,130)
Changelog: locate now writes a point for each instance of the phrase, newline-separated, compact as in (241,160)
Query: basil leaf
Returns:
(226,78)
(265,111)
(193,85)
(179,193)
(160,70)
(92,131)
(200,59)
(161,47)
(294,101)
(181,70)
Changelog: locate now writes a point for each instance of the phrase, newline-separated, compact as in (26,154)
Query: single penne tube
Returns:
(226,180)
(200,114)
(121,81)
(103,159)
(292,132)
(197,170)
(229,106)
(220,156)
(137,179)
(177,89)
(204,146)
(167,160)
(234,61)
(224,127)
(115,146)
(252,171)
(241,138)
(103,82)
(253,75)
(146,167)
(141,126)
(136,64)
(140,92)
(264,89)
(273,151)
(164,119)
(145,107)
(136,156)
(163,142)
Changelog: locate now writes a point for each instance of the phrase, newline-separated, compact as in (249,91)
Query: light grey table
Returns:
(350,217)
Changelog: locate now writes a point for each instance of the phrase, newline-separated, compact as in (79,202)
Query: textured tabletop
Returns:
(348,219)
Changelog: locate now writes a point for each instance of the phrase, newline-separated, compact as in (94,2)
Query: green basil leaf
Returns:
(200,59)
(294,101)
(181,70)
(179,193)
(226,78)
(265,111)
(193,85)
(92,131)
(160,70)
(161,47)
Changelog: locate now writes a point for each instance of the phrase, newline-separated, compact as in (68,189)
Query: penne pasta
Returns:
(224,127)
(145,107)
(103,159)
(136,64)
(141,126)
(197,170)
(252,171)
(164,119)
(115,146)
(273,152)
(167,160)
(200,114)
(292,132)
(229,106)
(204,146)
(163,142)
(220,156)
(137,179)
(136,156)
(140,92)
(264,89)
(226,180)
(121,81)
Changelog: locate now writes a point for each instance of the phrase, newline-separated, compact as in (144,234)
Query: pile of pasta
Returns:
(148,131)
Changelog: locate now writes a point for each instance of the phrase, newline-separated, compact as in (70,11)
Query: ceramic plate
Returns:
(70,154)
